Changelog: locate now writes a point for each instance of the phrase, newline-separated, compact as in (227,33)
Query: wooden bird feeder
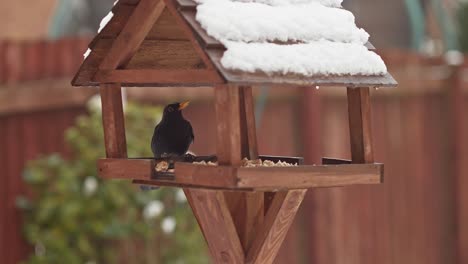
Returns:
(244,213)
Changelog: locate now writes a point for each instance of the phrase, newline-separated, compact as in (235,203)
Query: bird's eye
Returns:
(170,109)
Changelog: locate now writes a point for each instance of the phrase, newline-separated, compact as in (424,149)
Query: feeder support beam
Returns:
(360,129)
(237,140)
(113,120)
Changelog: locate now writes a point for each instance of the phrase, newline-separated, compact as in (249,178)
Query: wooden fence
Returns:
(33,117)
(417,216)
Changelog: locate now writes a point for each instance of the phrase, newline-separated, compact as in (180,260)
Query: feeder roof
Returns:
(271,42)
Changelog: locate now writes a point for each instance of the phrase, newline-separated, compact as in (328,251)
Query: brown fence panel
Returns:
(25,137)
(412,217)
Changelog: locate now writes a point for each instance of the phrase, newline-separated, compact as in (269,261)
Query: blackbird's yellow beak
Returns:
(183,105)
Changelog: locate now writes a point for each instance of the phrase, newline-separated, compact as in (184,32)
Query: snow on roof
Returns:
(309,59)
(105,20)
(315,38)
(330,3)
(255,22)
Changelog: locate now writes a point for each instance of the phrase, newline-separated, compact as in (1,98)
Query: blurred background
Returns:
(53,209)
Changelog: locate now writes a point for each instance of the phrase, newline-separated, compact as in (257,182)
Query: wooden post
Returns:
(236,139)
(359,111)
(113,120)
(271,234)
(212,214)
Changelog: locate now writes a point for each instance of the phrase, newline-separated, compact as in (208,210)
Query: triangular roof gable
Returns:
(177,51)
(144,44)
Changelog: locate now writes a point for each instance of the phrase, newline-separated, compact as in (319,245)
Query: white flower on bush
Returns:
(39,249)
(168,225)
(180,196)
(90,186)
(153,209)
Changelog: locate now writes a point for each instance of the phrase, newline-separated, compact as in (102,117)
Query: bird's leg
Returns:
(189,157)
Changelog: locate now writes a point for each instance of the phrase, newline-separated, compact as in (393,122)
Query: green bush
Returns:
(75,217)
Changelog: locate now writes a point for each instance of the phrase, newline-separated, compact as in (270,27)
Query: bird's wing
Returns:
(154,139)
(191,133)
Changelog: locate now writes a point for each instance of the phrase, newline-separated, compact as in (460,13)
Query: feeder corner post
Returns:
(236,139)
(360,129)
(113,120)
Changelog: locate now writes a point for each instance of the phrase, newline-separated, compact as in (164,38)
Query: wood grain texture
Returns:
(236,140)
(135,169)
(249,207)
(360,129)
(309,176)
(90,65)
(122,13)
(228,142)
(235,178)
(205,40)
(166,27)
(248,126)
(218,227)
(189,33)
(134,32)
(166,54)
(113,120)
(40,96)
(186,5)
(278,219)
(209,176)
(245,78)
(155,78)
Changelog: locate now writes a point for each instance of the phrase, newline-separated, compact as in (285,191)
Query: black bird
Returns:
(173,135)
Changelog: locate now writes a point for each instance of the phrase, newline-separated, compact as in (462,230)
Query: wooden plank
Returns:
(250,215)
(186,5)
(229,147)
(228,142)
(244,78)
(113,28)
(41,95)
(206,40)
(210,176)
(333,161)
(134,32)
(218,226)
(91,64)
(359,113)
(248,126)
(235,141)
(191,202)
(166,54)
(186,78)
(233,178)
(458,147)
(113,120)
(166,27)
(129,2)
(310,176)
(136,169)
(279,218)
(188,173)
(4,179)
(190,34)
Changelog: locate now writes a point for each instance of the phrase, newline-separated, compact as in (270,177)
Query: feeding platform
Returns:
(332,173)
(244,212)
